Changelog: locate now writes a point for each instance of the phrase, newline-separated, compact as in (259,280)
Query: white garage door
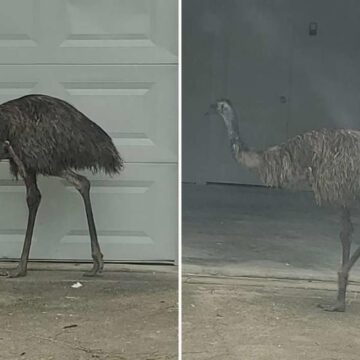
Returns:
(116,61)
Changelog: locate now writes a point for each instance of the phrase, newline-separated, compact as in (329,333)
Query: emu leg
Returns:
(343,274)
(82,184)
(33,198)
(16,159)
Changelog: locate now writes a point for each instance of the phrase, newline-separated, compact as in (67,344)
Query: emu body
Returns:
(47,136)
(328,160)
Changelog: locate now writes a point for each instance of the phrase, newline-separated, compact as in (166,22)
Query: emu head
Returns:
(224,108)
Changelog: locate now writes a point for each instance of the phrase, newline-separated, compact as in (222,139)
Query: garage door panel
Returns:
(88,31)
(61,230)
(13,89)
(136,105)
(17,27)
(116,61)
(123,24)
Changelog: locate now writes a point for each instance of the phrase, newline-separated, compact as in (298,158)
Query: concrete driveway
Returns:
(129,314)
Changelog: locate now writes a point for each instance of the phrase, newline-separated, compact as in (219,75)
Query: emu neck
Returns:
(238,147)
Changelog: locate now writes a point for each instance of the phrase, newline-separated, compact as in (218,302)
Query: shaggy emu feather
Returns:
(328,160)
(49,136)
(45,135)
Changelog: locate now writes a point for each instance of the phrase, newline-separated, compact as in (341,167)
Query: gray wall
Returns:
(254,52)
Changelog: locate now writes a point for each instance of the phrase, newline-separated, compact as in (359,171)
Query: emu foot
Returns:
(96,269)
(17,272)
(337,307)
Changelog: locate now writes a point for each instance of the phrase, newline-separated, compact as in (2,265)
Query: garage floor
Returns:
(125,315)
(257,262)
(255,231)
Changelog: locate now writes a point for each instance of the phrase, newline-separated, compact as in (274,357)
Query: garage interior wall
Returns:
(116,61)
(282,80)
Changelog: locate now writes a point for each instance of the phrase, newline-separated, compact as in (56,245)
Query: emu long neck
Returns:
(239,149)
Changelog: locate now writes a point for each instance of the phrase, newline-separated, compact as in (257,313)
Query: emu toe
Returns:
(4,273)
(18,272)
(337,307)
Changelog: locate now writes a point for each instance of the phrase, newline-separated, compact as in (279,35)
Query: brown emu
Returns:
(328,160)
(45,135)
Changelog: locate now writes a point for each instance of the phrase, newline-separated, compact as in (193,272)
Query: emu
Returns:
(48,136)
(328,160)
